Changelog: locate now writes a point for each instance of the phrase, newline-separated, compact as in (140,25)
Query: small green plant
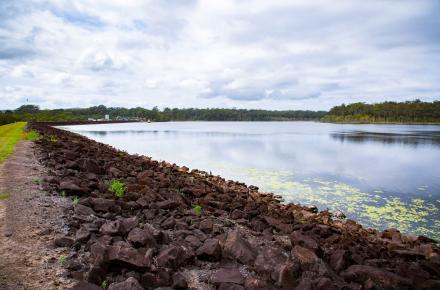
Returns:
(75,200)
(117,187)
(53,138)
(36,180)
(197,209)
(4,196)
(63,193)
(104,285)
(62,259)
(31,135)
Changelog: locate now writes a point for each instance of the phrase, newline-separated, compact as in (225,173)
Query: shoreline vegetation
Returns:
(9,136)
(409,112)
(139,222)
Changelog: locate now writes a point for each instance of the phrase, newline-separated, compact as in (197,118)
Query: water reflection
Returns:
(380,175)
(414,138)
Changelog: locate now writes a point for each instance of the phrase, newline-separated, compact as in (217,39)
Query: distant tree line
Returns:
(34,113)
(386,112)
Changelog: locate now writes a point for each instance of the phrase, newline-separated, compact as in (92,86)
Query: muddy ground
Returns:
(29,221)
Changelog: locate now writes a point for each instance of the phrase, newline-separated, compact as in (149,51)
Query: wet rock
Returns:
(227,275)
(380,278)
(129,284)
(210,250)
(236,247)
(63,242)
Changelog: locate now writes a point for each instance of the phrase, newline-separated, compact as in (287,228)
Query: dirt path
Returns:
(29,221)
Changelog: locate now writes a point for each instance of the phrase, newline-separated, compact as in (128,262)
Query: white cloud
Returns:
(250,54)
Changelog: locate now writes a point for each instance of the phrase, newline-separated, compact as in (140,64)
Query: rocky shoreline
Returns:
(179,229)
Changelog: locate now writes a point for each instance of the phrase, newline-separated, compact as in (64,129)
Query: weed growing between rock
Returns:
(117,187)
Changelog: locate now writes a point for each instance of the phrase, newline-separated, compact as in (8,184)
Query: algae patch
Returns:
(378,209)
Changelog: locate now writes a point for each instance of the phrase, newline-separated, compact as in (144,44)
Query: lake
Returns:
(379,175)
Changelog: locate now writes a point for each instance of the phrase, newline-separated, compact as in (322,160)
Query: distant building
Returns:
(107,117)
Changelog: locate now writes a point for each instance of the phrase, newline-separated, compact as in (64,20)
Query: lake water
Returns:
(379,175)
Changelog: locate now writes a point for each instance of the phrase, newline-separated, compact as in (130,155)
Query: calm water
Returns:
(380,175)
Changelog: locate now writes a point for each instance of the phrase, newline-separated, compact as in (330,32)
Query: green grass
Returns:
(31,135)
(4,196)
(9,136)
(117,187)
(197,209)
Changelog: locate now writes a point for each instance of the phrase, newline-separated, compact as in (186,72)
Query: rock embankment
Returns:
(180,229)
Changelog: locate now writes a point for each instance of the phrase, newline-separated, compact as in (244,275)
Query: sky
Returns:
(305,54)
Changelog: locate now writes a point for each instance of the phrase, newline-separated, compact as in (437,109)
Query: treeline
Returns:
(34,113)
(386,112)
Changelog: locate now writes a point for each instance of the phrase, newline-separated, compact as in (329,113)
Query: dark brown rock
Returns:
(210,250)
(85,286)
(381,278)
(63,242)
(230,286)
(124,254)
(110,228)
(80,209)
(102,204)
(168,204)
(141,237)
(337,260)
(238,248)
(129,284)
(303,240)
(171,257)
(227,275)
(179,282)
(206,225)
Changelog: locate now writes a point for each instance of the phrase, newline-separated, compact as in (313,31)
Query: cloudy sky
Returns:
(231,53)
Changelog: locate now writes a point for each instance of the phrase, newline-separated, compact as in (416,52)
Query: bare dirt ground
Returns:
(30,219)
